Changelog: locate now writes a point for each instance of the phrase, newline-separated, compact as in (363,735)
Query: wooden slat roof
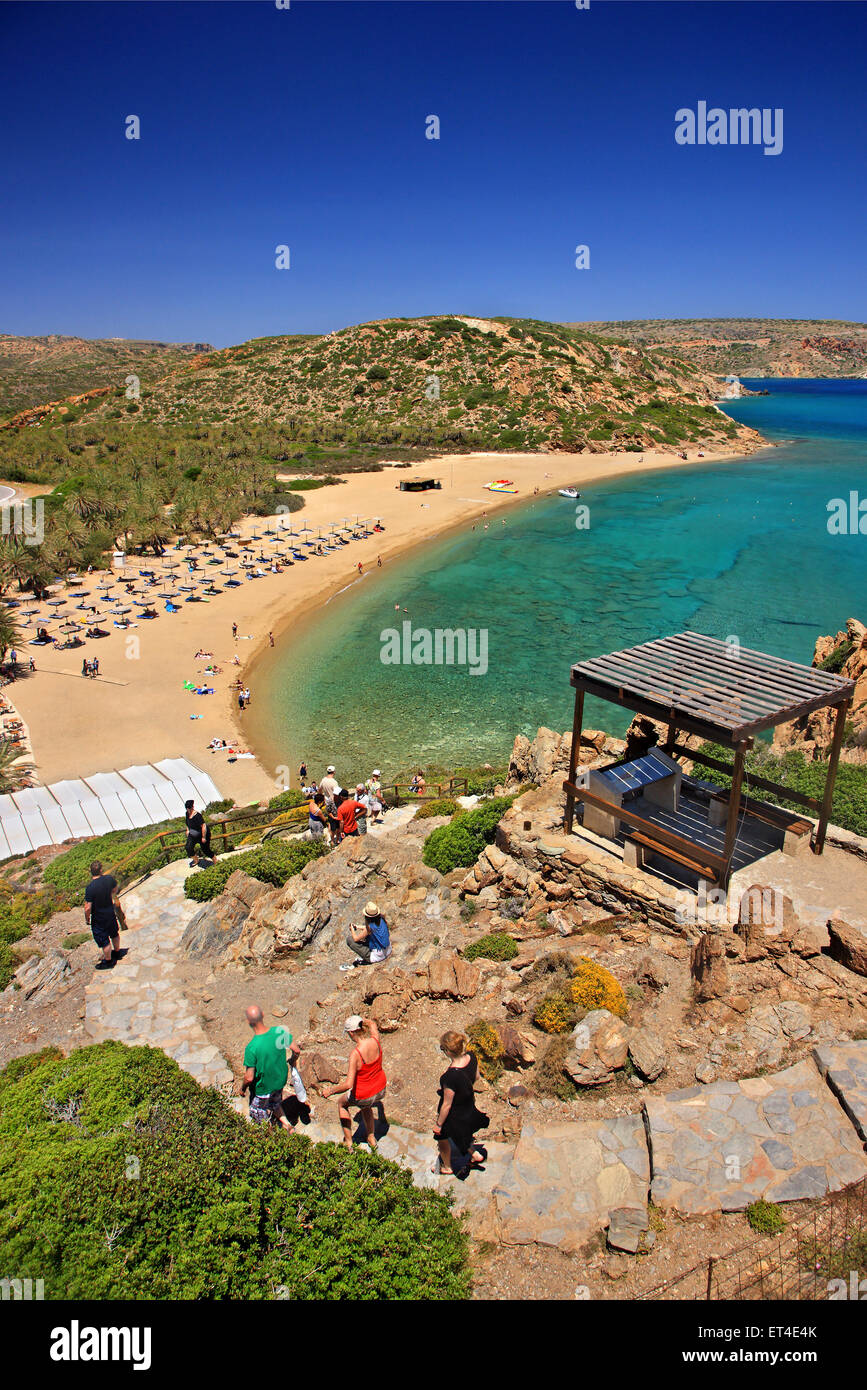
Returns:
(711,687)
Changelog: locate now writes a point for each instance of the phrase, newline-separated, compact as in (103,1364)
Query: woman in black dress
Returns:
(457,1116)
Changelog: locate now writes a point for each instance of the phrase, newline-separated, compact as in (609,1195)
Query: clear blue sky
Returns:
(307,127)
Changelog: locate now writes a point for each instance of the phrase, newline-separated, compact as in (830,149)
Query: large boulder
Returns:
(330,893)
(220,922)
(597,1049)
(848,945)
(47,976)
(647,1052)
(451,977)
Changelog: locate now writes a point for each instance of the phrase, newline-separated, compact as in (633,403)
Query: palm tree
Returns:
(9,632)
(14,773)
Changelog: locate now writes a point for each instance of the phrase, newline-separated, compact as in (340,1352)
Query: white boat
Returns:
(569,492)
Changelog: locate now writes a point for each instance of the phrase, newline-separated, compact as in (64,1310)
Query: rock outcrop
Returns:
(47,976)
(220,922)
(848,946)
(548,753)
(813,733)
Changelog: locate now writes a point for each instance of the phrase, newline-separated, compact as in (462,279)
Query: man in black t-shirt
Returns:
(198,834)
(102,912)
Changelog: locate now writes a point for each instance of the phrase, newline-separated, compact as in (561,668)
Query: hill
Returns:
(447,381)
(34,371)
(751,347)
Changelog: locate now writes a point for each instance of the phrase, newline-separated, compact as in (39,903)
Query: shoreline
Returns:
(139,712)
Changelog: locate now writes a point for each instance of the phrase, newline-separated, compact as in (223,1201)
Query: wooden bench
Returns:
(637,844)
(796,830)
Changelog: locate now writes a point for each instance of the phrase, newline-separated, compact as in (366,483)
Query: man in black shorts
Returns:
(198,834)
(102,912)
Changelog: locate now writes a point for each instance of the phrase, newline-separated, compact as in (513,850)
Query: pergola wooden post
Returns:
(696,685)
(833,759)
(574,756)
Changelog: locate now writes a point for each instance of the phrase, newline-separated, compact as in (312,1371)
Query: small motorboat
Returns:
(569,492)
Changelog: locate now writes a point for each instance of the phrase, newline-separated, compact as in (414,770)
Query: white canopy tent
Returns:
(131,798)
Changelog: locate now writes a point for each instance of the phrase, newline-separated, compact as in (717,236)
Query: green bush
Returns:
(497,945)
(287,801)
(461,841)
(274,862)
(791,769)
(766,1218)
(21,910)
(122,1178)
(442,806)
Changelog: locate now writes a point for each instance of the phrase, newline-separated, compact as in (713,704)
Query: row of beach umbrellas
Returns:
(139,592)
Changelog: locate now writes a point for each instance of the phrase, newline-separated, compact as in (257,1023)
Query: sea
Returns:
(746,551)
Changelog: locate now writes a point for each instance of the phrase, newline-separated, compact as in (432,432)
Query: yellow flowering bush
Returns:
(594,987)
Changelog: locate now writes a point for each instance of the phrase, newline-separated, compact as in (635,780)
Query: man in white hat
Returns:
(370,941)
(330,788)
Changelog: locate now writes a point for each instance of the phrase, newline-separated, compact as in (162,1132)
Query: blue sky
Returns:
(306,127)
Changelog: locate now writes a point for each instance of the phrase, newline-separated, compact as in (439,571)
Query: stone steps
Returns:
(798,1133)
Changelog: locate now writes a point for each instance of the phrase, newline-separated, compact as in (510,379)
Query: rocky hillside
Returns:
(35,371)
(751,347)
(447,381)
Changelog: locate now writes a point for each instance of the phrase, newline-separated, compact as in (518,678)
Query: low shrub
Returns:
(78,938)
(766,1218)
(69,873)
(556,1012)
(594,987)
(549,1075)
(274,862)
(484,1042)
(461,841)
(22,909)
(287,801)
(443,806)
(222,1209)
(496,946)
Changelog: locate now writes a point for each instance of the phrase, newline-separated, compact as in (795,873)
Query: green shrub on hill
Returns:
(287,801)
(497,945)
(461,841)
(122,1178)
(69,873)
(274,862)
(791,769)
(441,806)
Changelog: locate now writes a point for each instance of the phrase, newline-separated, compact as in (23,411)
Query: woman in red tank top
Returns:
(365,1083)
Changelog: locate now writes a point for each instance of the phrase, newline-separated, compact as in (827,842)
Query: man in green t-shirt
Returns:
(267,1061)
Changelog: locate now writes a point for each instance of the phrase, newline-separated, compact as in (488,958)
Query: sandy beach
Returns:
(138,710)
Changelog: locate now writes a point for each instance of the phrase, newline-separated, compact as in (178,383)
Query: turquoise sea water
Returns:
(739,550)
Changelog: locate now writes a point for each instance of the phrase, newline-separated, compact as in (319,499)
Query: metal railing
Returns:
(813,1259)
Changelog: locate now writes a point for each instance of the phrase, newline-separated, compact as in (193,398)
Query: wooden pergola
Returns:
(724,694)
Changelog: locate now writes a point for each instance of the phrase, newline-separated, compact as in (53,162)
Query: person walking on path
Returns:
(266,1063)
(350,812)
(330,788)
(302,773)
(317,818)
(457,1116)
(198,834)
(365,1083)
(234,632)
(102,913)
(371,941)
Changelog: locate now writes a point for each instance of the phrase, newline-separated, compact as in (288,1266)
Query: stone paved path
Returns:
(722,1146)
(140,1001)
(566,1177)
(717,1147)
(844,1066)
